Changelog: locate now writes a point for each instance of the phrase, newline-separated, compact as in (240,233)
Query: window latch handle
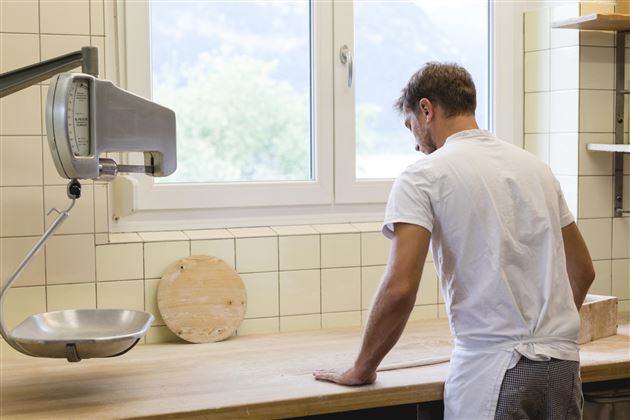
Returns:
(345,56)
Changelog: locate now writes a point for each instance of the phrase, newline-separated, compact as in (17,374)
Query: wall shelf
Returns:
(614,148)
(596,22)
(619,23)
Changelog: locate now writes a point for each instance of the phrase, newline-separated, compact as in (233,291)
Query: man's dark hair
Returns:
(449,86)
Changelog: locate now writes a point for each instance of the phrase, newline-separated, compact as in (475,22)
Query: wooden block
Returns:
(598,318)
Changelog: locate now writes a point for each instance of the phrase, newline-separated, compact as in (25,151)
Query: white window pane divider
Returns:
(349,189)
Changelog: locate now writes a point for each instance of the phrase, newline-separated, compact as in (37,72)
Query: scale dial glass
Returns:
(78,118)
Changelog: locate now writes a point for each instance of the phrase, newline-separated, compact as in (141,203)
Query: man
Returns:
(513,266)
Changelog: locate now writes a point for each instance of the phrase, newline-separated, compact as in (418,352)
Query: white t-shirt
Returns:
(495,214)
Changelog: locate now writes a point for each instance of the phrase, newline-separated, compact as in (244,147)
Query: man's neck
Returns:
(452,126)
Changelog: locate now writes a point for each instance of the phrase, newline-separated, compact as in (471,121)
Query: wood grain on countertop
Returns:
(248,377)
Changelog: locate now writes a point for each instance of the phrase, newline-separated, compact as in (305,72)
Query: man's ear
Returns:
(426,108)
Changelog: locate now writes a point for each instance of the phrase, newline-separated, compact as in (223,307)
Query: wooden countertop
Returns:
(249,377)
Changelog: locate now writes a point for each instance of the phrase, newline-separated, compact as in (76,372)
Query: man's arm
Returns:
(391,307)
(579,263)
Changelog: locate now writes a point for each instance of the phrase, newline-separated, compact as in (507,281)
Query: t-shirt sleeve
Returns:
(566,217)
(409,202)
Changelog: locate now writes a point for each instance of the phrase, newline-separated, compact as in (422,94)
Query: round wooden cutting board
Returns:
(202,299)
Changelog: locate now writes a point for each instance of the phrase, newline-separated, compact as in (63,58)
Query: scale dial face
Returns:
(78,117)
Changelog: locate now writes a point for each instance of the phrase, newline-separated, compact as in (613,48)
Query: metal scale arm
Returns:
(74,192)
(13,81)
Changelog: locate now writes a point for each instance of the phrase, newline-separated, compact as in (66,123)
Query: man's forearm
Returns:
(386,322)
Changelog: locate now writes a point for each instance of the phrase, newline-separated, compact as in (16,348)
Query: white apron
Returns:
(475,376)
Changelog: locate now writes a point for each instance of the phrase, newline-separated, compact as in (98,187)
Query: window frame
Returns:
(336,195)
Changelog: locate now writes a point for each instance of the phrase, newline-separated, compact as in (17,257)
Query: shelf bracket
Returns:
(620,92)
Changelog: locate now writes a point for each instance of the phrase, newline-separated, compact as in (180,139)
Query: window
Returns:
(267,114)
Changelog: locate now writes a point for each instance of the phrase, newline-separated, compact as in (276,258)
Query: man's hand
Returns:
(350,377)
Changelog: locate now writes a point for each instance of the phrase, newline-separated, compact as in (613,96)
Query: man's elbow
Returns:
(401,297)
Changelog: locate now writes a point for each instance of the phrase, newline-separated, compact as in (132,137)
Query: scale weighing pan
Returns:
(81,333)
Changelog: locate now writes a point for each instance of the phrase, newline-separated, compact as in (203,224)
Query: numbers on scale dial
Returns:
(79,118)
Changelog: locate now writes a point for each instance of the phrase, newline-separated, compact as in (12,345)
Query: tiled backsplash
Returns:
(296,277)
(569,100)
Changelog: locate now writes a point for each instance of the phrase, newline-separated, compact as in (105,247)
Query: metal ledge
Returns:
(612,148)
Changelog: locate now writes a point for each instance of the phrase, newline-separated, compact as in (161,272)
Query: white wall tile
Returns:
(150,300)
(538,144)
(259,326)
(597,68)
(374,248)
(208,234)
(341,319)
(56,45)
(563,37)
(219,248)
(159,255)
(122,238)
(257,254)
(569,186)
(20,113)
(623,305)
(564,110)
(161,334)
(119,262)
(299,252)
(294,230)
(262,294)
(19,16)
(537,112)
(300,323)
(537,30)
(428,290)
(595,163)
(81,219)
(563,153)
(596,7)
(536,71)
(369,226)
(597,234)
(596,111)
(99,43)
(127,294)
(597,38)
(621,237)
(12,252)
(18,50)
(20,161)
(163,236)
(595,196)
(51,176)
(97,19)
(565,68)
(341,289)
(424,312)
(65,16)
(22,302)
(101,211)
(70,259)
(335,228)
(71,296)
(341,250)
(252,232)
(602,283)
(621,278)
(43,94)
(442,314)
(21,211)
(370,280)
(299,292)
